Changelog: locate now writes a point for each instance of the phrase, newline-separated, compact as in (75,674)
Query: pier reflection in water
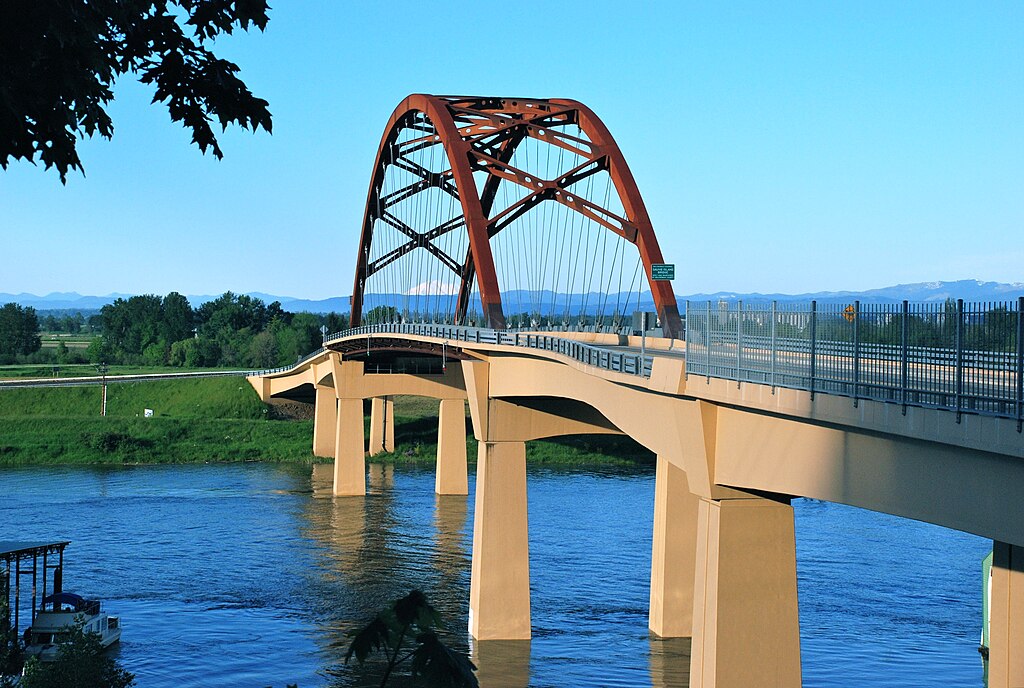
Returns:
(502,662)
(590,544)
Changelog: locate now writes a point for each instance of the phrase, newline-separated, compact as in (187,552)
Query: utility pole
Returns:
(102,368)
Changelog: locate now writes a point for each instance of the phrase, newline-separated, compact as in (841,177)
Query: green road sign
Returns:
(663,271)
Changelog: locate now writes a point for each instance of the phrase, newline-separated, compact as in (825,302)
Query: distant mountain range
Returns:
(920,292)
(968,290)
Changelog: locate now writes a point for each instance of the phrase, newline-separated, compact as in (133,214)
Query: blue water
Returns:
(251,575)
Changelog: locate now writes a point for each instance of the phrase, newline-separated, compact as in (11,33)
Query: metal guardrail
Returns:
(966,358)
(283,369)
(600,357)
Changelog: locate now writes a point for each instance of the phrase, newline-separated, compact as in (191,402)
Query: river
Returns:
(251,575)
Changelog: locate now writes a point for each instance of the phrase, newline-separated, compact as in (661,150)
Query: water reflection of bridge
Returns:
(362,541)
(472,197)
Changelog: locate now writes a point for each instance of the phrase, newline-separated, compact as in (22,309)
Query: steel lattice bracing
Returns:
(504,196)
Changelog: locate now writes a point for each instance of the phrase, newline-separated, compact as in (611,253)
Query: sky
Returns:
(779,147)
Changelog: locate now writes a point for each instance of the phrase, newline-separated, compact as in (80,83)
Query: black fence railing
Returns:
(967,358)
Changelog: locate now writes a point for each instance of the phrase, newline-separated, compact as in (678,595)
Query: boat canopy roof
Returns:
(64,598)
(10,550)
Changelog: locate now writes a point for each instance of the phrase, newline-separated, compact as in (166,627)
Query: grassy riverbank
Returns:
(214,419)
(223,419)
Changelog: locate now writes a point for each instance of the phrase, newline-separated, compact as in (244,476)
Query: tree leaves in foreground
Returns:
(411,620)
(80,663)
(59,60)
(9,649)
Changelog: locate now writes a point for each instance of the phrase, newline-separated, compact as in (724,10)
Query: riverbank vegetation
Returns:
(211,419)
(223,419)
(233,330)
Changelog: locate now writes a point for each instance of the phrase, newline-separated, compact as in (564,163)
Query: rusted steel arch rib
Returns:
(636,211)
(436,110)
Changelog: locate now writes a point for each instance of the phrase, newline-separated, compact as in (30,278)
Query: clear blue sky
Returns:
(780,147)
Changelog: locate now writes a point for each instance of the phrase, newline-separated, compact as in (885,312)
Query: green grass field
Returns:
(223,419)
(214,419)
(71,341)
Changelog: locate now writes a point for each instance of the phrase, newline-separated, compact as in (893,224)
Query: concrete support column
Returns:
(673,558)
(499,588)
(382,425)
(746,631)
(325,421)
(451,477)
(1006,617)
(349,456)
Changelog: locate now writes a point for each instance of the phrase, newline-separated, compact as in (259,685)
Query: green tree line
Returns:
(68,321)
(231,330)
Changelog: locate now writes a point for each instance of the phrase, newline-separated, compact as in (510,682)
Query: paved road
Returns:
(114,379)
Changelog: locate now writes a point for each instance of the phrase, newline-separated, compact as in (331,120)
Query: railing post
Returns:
(739,341)
(856,353)
(904,355)
(774,318)
(814,342)
(707,342)
(686,337)
(1020,363)
(959,371)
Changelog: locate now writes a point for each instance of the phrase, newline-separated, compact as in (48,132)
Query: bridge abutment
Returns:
(452,473)
(325,421)
(673,557)
(349,455)
(746,629)
(499,589)
(1006,617)
(382,425)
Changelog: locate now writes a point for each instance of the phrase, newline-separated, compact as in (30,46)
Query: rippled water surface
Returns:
(250,575)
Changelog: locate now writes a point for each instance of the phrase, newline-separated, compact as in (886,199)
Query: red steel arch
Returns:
(481,134)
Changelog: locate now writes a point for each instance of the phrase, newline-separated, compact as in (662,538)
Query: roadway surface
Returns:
(115,379)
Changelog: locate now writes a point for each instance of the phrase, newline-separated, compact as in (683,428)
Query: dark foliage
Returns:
(413,618)
(9,648)
(113,442)
(80,663)
(19,330)
(59,60)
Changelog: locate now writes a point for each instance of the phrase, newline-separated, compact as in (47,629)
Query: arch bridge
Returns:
(496,234)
